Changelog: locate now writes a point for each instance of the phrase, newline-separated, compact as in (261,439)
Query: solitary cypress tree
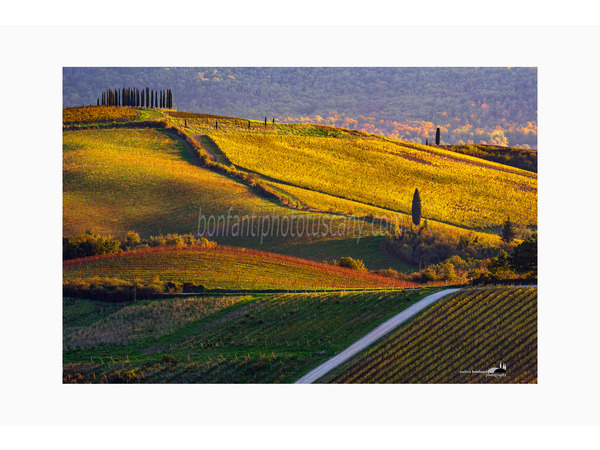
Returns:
(508,231)
(437,136)
(416,208)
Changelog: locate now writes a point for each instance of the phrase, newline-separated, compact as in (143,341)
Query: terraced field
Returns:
(464,334)
(242,339)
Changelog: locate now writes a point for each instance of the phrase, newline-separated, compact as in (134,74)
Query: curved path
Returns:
(372,336)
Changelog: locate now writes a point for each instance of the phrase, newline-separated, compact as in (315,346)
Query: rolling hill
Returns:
(123,171)
(116,180)
(333,168)
(142,179)
(223,268)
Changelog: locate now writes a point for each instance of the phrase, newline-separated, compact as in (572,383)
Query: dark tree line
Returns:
(147,97)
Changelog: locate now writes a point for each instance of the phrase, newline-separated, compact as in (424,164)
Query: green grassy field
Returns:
(223,268)
(471,330)
(240,339)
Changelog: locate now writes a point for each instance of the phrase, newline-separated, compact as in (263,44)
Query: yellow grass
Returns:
(98,114)
(455,189)
(117,180)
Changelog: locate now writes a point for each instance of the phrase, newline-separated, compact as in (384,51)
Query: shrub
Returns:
(351,263)
(174,287)
(157,241)
(112,289)
(89,244)
(424,276)
(425,246)
(500,267)
(191,287)
(390,273)
(524,256)
(175,240)
(447,272)
(132,240)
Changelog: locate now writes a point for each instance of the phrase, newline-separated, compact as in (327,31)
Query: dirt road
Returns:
(372,337)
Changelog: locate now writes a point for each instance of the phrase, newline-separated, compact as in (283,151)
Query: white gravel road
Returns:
(371,337)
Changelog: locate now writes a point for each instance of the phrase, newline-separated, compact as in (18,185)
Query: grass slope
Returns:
(455,189)
(371,172)
(471,330)
(244,339)
(222,267)
(116,180)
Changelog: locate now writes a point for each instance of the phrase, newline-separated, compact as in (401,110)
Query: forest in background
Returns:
(496,106)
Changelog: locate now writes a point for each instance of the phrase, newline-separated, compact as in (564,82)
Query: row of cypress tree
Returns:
(137,97)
